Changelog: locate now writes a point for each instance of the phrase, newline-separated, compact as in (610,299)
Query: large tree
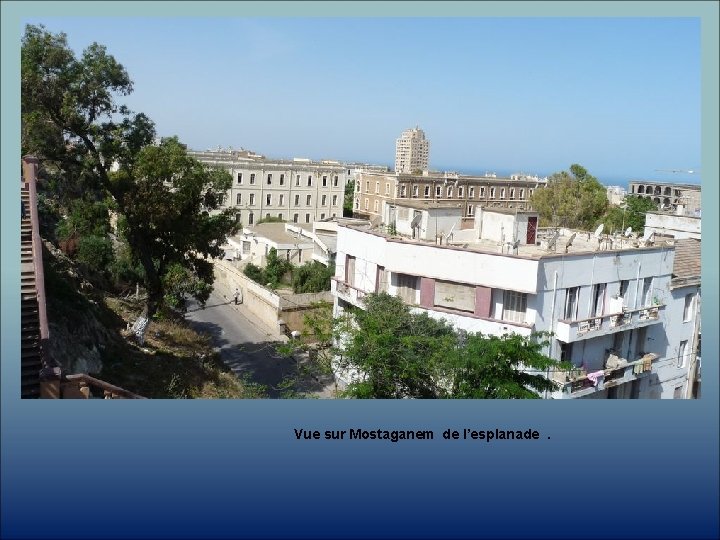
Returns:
(72,121)
(573,199)
(401,354)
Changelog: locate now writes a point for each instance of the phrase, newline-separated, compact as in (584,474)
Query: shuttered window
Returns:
(514,306)
(455,296)
(407,288)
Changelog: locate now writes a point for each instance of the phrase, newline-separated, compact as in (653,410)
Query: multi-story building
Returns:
(374,191)
(616,194)
(298,190)
(412,151)
(682,198)
(612,305)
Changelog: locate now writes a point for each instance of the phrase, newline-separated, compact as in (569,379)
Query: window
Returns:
(282,199)
(324,181)
(514,306)
(427,191)
(297,200)
(357,187)
(471,192)
(512,193)
(335,181)
(367,186)
(482,191)
(357,204)
(238,217)
(624,288)
(322,216)
(403,191)
(647,291)
(239,178)
(687,311)
(268,200)
(566,352)
(238,198)
(682,354)
(252,179)
(252,199)
(307,218)
(334,200)
(522,193)
(309,180)
(267,216)
(324,200)
(407,288)
(251,219)
(449,191)
(381,280)
(377,188)
(367,204)
(531,192)
(437,191)
(471,210)
(455,296)
(269,179)
(387,188)
(416,191)
(280,216)
(282,179)
(350,270)
(461,192)
(492,192)
(376,206)
(297,180)
(308,200)
(571,303)
(502,193)
(596,310)
(296,217)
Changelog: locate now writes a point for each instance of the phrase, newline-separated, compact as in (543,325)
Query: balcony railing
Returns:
(578,382)
(568,331)
(348,292)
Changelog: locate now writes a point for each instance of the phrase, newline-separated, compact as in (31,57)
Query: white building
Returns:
(253,244)
(298,190)
(616,194)
(608,302)
(672,225)
(412,151)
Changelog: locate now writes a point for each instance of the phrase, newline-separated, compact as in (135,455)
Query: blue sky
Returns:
(621,96)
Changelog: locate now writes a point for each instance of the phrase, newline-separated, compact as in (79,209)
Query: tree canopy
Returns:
(401,354)
(574,199)
(89,143)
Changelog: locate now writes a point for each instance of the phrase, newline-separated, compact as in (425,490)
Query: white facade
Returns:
(616,194)
(297,191)
(612,312)
(676,226)
(412,151)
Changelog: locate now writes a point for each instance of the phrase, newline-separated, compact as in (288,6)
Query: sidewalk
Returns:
(273,333)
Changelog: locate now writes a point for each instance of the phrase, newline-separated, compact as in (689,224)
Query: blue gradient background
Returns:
(212,469)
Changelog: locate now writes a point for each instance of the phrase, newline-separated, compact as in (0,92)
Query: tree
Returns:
(349,197)
(631,213)
(89,143)
(401,354)
(274,272)
(573,199)
(312,277)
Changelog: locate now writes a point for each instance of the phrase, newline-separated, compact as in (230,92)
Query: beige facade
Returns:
(373,191)
(412,151)
(669,196)
(297,191)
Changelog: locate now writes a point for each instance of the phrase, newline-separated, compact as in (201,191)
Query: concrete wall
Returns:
(679,227)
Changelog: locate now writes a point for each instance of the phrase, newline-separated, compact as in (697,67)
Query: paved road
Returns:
(246,345)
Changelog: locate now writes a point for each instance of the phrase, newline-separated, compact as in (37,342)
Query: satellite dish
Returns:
(570,241)
(599,230)
(553,240)
(416,221)
(628,232)
(650,239)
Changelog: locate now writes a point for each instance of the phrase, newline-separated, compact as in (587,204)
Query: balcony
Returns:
(570,331)
(347,292)
(578,383)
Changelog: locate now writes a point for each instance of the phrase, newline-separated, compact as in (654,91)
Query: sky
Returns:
(620,96)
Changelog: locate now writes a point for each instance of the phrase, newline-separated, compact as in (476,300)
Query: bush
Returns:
(95,253)
(312,277)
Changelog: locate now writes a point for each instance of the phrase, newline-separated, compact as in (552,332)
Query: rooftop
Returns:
(687,259)
(275,232)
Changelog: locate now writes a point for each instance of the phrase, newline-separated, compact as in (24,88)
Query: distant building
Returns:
(297,191)
(623,313)
(412,151)
(374,192)
(678,198)
(616,194)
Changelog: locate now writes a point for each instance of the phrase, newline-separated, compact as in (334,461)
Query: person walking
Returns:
(237,295)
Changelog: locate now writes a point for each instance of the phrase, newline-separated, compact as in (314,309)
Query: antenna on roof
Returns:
(570,241)
(553,241)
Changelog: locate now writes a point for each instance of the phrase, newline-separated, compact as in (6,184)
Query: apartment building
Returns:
(412,151)
(678,198)
(297,191)
(616,194)
(609,302)
(374,191)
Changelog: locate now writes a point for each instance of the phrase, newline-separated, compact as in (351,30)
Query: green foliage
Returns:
(125,270)
(270,220)
(95,252)
(573,199)
(179,281)
(407,355)
(312,277)
(274,272)
(348,199)
(91,144)
(85,218)
(631,213)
